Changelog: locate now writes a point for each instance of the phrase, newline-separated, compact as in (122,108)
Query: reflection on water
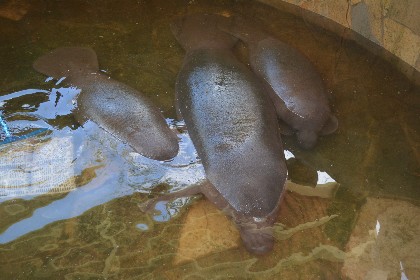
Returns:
(383,242)
(27,168)
(50,168)
(68,197)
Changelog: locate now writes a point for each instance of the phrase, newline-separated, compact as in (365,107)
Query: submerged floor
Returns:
(68,204)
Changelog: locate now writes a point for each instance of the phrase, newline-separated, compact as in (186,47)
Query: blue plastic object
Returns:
(10,138)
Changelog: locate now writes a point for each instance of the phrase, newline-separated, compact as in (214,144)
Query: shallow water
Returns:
(69,195)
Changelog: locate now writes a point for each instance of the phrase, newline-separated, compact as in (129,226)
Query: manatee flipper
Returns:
(330,126)
(62,62)
(189,191)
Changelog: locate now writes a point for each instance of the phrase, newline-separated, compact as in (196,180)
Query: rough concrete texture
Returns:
(394,25)
(385,242)
(198,237)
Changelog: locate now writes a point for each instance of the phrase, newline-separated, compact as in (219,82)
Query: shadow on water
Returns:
(68,197)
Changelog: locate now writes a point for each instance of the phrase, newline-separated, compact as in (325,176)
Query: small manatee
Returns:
(117,108)
(294,84)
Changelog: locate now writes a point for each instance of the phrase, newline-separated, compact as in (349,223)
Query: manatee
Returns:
(293,82)
(233,126)
(115,107)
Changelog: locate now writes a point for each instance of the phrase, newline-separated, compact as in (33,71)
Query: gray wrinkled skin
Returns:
(233,125)
(294,84)
(115,107)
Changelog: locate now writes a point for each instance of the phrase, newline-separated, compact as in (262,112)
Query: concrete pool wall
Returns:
(391,27)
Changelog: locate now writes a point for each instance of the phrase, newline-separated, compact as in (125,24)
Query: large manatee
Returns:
(115,107)
(293,82)
(233,125)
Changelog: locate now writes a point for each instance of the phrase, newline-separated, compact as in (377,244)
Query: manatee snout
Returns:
(257,227)
(258,238)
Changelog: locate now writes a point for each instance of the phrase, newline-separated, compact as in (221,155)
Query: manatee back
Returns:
(128,115)
(233,125)
(296,82)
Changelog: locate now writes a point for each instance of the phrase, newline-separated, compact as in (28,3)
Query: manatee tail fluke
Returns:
(240,28)
(62,62)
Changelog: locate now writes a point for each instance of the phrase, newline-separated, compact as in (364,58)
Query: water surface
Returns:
(69,196)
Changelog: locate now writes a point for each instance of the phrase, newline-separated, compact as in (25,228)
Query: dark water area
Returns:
(69,195)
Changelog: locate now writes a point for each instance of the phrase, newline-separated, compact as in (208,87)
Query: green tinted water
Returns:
(86,224)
